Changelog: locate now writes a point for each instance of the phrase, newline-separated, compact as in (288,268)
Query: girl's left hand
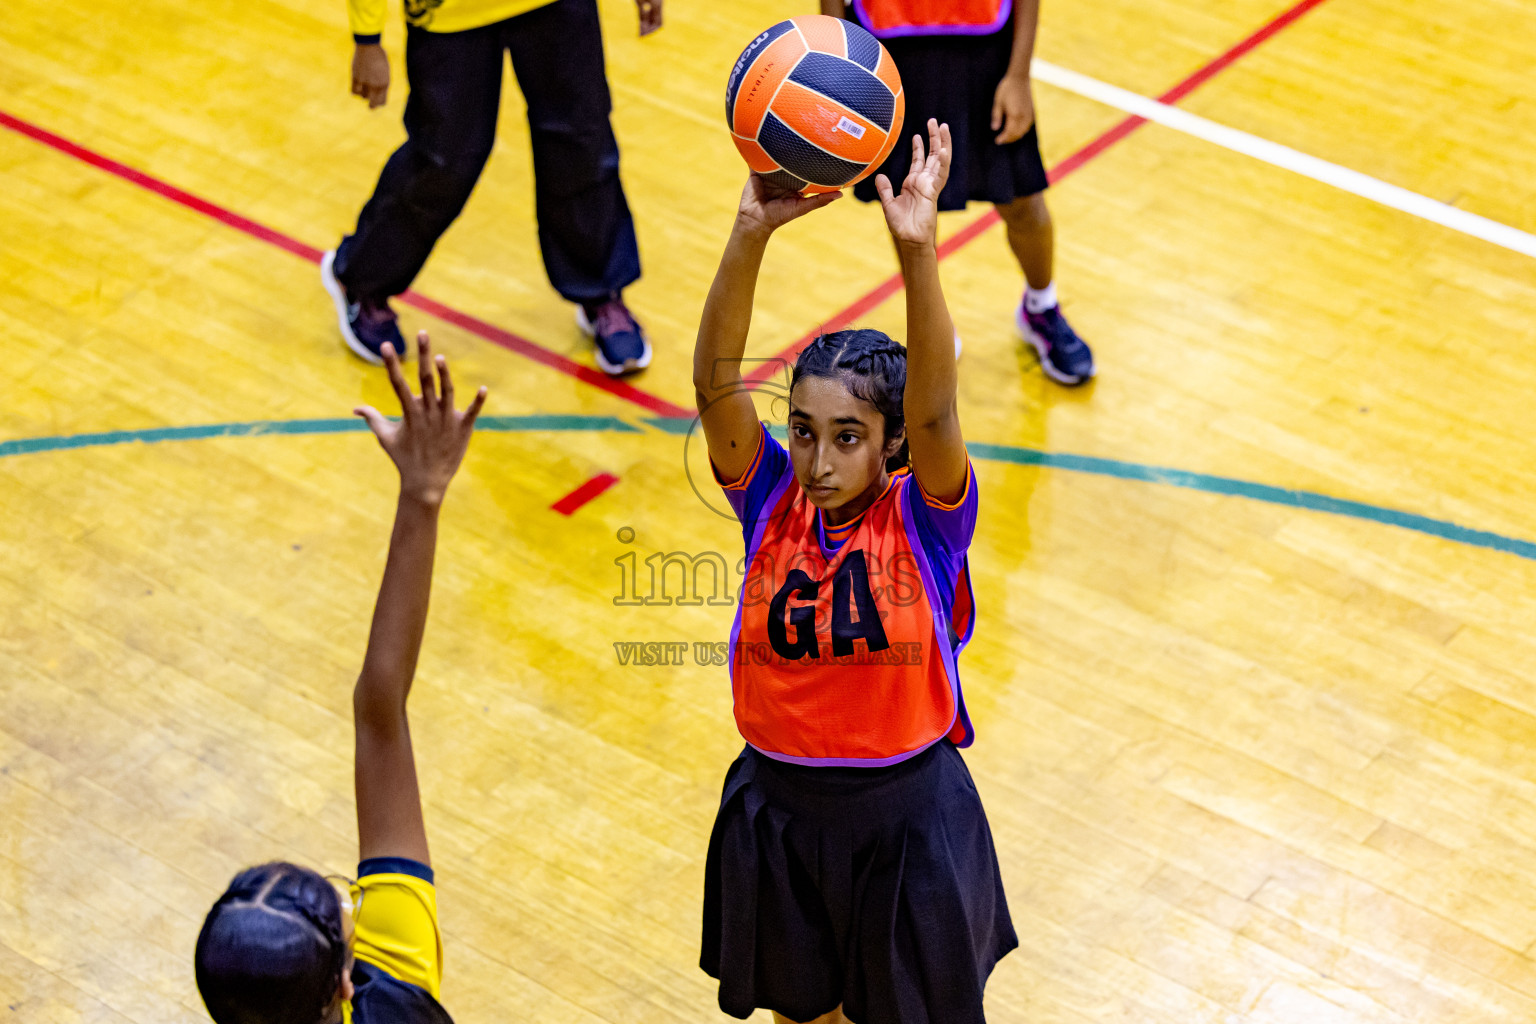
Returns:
(913,216)
(1013,109)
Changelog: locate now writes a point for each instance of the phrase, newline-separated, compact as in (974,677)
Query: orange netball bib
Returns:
(888,18)
(846,655)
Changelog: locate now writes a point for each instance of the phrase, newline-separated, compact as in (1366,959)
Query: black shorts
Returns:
(953,79)
(874,888)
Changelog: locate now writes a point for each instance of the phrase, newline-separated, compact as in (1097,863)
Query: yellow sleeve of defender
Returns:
(397,926)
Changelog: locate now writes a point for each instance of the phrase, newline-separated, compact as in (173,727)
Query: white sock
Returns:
(1038,300)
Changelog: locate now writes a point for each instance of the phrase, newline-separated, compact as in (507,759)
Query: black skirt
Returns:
(874,888)
(954,79)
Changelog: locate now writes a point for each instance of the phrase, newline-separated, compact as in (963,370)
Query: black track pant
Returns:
(585,229)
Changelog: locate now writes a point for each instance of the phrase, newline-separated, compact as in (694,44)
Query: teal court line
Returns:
(1013,454)
(1258,492)
(259,428)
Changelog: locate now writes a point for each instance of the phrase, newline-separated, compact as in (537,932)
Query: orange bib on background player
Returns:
(886,19)
(846,656)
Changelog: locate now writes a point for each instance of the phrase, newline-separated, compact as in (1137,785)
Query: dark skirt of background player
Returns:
(953,78)
(874,888)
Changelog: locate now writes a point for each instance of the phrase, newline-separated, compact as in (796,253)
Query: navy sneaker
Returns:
(365,325)
(1064,356)
(621,343)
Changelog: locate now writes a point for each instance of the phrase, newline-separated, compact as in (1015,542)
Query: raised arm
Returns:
(426,445)
(937,450)
(731,427)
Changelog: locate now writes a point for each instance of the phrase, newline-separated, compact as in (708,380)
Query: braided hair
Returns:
(872,366)
(271,950)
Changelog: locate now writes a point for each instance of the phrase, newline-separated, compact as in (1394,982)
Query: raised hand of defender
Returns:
(427,443)
(913,216)
(766,208)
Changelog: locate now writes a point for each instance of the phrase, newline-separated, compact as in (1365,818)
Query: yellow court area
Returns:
(1249,754)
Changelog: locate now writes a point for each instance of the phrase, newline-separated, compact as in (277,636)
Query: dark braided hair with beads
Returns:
(872,365)
(271,950)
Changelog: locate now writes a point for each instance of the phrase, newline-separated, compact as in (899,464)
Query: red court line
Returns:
(515,343)
(585,493)
(1270,28)
(474,325)
(539,354)
(891,285)
(160,188)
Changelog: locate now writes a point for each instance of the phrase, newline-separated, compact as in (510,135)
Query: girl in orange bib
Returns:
(851,872)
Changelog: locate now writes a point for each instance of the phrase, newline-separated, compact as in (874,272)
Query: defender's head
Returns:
(276,949)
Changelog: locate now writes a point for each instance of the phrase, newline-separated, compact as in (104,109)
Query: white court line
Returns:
(1282,156)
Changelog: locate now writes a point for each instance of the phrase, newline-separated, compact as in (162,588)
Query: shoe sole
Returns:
(613,369)
(338,295)
(1041,347)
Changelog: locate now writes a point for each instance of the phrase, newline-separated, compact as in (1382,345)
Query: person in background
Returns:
(454,52)
(966,63)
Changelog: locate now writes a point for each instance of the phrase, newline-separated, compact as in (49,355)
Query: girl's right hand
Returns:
(764,208)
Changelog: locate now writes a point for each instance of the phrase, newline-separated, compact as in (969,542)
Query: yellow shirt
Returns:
(368,16)
(397,934)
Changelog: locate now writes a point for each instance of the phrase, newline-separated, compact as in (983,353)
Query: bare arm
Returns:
(833,8)
(426,445)
(731,427)
(1013,103)
(1026,19)
(939,459)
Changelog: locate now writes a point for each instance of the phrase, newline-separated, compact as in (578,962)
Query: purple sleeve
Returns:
(749,494)
(948,527)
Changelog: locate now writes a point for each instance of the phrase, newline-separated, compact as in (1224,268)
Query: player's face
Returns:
(837,444)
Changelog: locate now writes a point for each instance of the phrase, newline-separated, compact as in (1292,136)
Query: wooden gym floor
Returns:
(1255,727)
